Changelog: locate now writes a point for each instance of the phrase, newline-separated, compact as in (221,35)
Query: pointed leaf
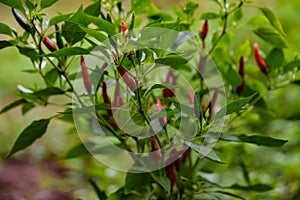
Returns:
(69,51)
(164,182)
(29,135)
(273,19)
(257,187)
(234,106)
(275,58)
(262,140)
(12,105)
(13,3)
(271,36)
(292,65)
(47,3)
(5,29)
(94,9)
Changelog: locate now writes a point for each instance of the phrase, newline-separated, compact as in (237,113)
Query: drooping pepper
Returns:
(240,88)
(85,75)
(171,174)
(259,60)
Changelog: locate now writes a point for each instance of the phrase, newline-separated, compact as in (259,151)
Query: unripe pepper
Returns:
(22,21)
(58,37)
(85,75)
(128,80)
(240,88)
(154,148)
(49,44)
(259,60)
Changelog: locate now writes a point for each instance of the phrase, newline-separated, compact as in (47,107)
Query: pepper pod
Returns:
(85,75)
(259,60)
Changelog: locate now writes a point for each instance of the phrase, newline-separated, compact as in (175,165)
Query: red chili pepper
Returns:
(106,98)
(118,102)
(154,148)
(204,30)
(85,75)
(124,28)
(49,44)
(259,60)
(167,92)
(240,88)
(171,174)
(128,80)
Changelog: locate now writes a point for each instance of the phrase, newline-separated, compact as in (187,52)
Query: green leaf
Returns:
(230,194)
(292,65)
(119,194)
(29,135)
(51,76)
(275,58)
(234,106)
(4,44)
(78,150)
(94,33)
(29,5)
(94,9)
(158,86)
(210,15)
(72,32)
(12,105)
(49,92)
(273,19)
(271,36)
(139,6)
(13,3)
(58,19)
(100,194)
(238,15)
(28,52)
(262,140)
(137,182)
(102,24)
(233,77)
(164,182)
(47,3)
(204,152)
(69,51)
(26,107)
(171,59)
(256,187)
(5,29)
(87,109)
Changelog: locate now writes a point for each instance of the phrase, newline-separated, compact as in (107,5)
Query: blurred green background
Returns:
(280,167)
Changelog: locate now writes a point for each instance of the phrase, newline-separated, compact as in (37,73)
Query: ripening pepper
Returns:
(85,75)
(259,60)
(128,80)
(154,148)
(22,21)
(240,88)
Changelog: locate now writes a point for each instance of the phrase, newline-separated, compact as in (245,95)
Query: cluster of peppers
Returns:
(132,85)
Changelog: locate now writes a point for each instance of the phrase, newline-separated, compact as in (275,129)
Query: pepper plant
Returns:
(152,93)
